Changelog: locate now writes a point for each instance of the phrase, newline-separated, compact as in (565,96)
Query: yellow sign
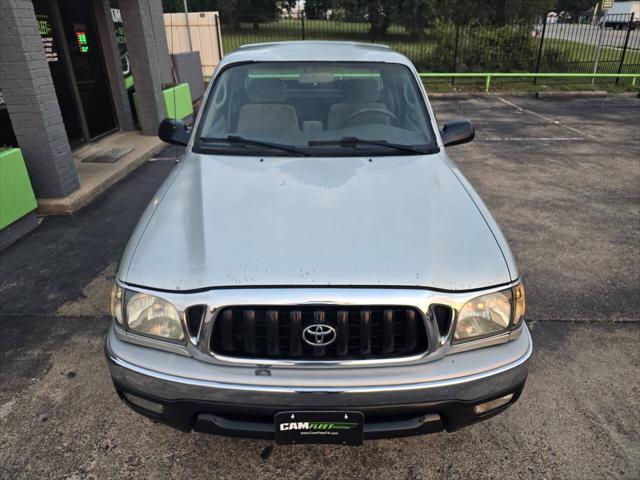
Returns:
(607,4)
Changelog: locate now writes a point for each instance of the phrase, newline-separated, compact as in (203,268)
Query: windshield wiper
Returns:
(235,139)
(355,141)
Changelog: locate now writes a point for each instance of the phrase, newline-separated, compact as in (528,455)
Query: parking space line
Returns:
(163,159)
(543,117)
(533,139)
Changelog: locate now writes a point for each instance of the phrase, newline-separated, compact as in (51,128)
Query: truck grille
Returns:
(351,332)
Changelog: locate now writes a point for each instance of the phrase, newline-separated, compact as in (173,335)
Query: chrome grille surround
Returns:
(356,333)
(216,299)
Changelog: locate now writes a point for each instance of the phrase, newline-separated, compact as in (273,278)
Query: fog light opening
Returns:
(143,403)
(491,405)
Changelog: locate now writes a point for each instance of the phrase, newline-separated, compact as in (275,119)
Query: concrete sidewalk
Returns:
(96,178)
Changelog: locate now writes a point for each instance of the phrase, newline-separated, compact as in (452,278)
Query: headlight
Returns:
(153,316)
(490,314)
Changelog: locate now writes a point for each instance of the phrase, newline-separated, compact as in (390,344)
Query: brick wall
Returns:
(160,37)
(143,56)
(31,101)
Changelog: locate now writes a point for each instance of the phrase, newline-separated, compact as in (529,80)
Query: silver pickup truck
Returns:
(316,269)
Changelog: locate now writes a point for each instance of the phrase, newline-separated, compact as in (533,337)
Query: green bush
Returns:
(496,49)
(479,48)
(554,60)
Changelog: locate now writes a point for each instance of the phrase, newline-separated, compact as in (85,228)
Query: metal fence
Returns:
(609,45)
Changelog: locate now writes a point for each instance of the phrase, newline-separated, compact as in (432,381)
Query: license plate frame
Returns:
(319,427)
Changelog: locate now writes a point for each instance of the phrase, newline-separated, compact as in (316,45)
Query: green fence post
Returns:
(489,76)
(487,83)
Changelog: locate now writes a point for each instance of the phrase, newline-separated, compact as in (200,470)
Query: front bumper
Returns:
(396,400)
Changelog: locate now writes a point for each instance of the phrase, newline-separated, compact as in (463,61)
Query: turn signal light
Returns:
(491,405)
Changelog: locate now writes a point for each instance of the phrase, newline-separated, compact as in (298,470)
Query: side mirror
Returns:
(456,132)
(174,131)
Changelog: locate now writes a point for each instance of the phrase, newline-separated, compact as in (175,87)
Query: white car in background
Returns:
(622,15)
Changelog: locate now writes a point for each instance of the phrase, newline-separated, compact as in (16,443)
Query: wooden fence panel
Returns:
(196,31)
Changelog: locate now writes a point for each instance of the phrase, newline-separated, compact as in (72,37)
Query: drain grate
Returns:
(108,155)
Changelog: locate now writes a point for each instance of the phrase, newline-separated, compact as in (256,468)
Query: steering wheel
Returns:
(362,111)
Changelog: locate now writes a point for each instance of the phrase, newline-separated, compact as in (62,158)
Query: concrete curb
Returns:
(559,94)
(627,94)
(469,95)
(14,231)
(585,94)
(88,193)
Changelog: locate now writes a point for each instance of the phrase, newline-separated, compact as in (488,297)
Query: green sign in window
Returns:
(81,38)
(43,26)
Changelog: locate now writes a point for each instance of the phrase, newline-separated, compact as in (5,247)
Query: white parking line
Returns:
(533,139)
(544,117)
(161,159)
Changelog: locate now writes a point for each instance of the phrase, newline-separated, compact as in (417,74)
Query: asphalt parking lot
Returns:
(562,178)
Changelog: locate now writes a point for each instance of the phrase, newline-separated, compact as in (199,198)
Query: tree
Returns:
(177,6)
(378,13)
(415,15)
(316,9)
(493,12)
(234,12)
(573,7)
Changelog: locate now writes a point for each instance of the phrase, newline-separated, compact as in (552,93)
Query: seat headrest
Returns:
(266,90)
(363,90)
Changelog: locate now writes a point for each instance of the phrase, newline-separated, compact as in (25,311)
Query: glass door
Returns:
(85,56)
(50,31)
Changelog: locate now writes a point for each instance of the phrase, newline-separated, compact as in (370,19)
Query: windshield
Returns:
(316,108)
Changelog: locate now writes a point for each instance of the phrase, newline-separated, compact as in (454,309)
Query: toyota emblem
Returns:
(319,335)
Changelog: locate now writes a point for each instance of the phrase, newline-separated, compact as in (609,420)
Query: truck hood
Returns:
(386,221)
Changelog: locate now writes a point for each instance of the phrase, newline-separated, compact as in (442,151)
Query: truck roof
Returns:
(313,50)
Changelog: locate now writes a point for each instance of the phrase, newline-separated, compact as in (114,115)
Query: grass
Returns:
(580,57)
(471,85)
(499,49)
(291,29)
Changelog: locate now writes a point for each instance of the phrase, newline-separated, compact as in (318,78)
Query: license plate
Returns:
(341,428)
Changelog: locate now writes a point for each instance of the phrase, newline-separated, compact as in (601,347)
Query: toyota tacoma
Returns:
(316,269)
